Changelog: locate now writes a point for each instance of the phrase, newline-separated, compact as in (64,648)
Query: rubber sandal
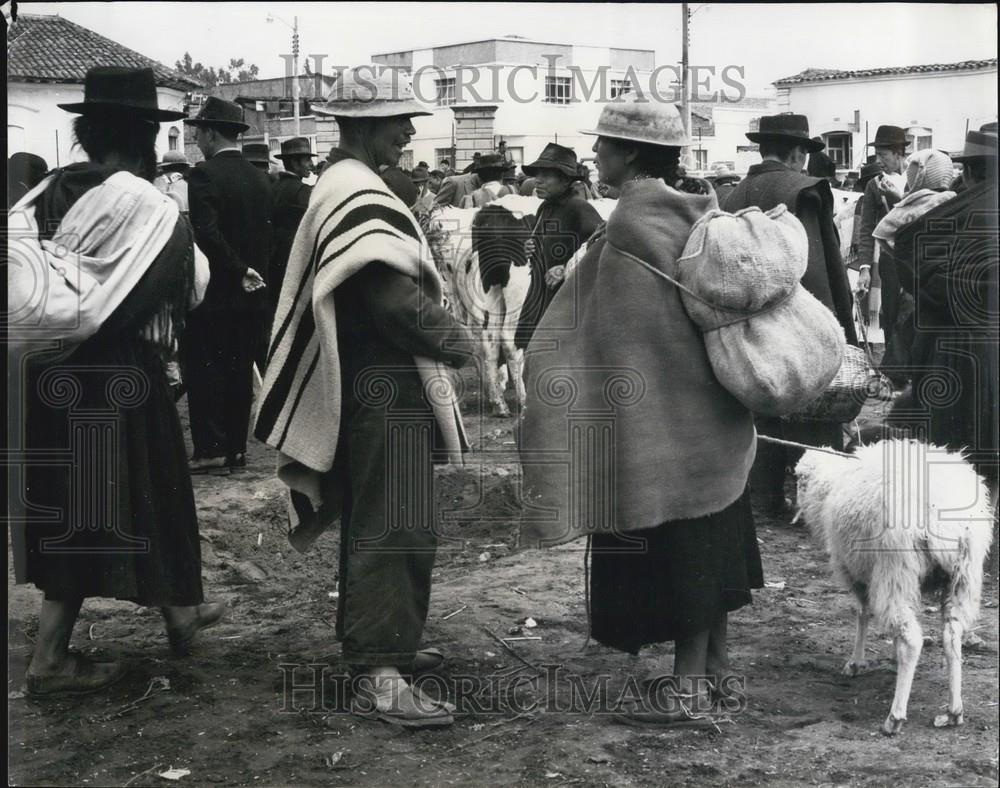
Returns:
(207,615)
(427,713)
(88,676)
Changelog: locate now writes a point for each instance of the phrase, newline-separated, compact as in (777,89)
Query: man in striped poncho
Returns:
(356,401)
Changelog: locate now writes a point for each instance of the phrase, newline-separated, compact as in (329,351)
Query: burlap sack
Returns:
(771,344)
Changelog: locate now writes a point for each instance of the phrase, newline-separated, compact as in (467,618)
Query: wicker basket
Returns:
(845,396)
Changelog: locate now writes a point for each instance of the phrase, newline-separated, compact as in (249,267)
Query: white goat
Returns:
(898,518)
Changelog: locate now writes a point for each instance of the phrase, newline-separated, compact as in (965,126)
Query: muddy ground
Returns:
(225,713)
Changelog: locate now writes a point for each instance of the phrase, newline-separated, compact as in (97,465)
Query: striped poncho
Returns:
(352,220)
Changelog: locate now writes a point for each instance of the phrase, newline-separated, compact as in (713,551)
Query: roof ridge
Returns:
(103,41)
(822,74)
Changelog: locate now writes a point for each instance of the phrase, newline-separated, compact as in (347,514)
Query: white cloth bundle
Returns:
(771,344)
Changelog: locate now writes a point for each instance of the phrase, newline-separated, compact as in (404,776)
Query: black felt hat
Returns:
(221,113)
(115,88)
(786,127)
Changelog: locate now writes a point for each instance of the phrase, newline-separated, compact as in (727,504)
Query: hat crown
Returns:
(296,146)
(641,119)
(217,110)
(372,91)
(786,124)
(175,157)
(890,135)
(129,89)
(490,161)
(257,151)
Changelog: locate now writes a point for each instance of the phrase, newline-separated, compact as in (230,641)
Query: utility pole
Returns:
(295,79)
(685,77)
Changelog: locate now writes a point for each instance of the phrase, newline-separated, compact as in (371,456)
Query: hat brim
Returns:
(974,157)
(614,135)
(811,145)
(536,167)
(284,156)
(174,165)
(878,145)
(371,109)
(83,107)
(222,124)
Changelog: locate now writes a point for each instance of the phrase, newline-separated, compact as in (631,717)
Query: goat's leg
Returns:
(952,641)
(515,363)
(909,641)
(858,663)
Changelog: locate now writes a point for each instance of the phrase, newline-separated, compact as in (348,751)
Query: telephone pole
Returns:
(685,77)
(295,79)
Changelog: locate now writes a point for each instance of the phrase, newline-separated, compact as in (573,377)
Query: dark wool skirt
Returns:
(123,522)
(679,582)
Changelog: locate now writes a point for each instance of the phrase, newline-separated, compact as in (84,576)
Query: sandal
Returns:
(206,615)
(87,676)
(404,708)
(671,709)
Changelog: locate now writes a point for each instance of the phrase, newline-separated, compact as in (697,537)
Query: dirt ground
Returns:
(226,715)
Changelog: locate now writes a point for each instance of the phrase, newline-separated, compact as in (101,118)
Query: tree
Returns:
(211,77)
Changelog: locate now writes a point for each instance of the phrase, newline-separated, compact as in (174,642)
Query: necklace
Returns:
(641,176)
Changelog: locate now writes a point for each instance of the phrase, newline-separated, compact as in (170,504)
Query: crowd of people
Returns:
(323,285)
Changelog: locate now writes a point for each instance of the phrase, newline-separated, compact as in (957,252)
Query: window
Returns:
(558,90)
(620,87)
(754,125)
(700,159)
(919,138)
(838,148)
(406,160)
(516,155)
(172,138)
(445,91)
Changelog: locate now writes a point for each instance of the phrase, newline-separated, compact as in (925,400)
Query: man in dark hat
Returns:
(455,188)
(434,181)
(563,223)
(881,195)
(724,181)
(172,179)
(489,171)
(259,155)
(231,214)
(291,198)
(471,166)
(784,146)
(425,197)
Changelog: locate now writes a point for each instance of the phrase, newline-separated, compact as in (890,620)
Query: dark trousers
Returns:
(767,476)
(220,348)
(889,275)
(387,538)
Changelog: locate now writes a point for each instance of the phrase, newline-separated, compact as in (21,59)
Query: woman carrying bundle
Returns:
(656,453)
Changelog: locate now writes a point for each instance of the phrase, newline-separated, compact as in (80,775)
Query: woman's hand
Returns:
(555,275)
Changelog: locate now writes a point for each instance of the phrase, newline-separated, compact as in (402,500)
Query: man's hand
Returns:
(252,281)
(864,280)
(889,190)
(555,275)
(529,247)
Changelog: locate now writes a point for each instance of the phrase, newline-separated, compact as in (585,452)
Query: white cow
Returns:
(490,302)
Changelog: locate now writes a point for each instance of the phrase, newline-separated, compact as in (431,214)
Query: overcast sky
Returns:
(770,40)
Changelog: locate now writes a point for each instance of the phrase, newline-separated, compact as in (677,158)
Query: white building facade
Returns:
(542,92)
(48,58)
(936,104)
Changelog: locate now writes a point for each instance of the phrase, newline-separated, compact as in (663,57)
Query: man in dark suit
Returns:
(230,203)
(291,198)
(784,146)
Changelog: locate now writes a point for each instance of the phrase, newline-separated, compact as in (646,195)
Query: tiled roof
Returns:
(53,49)
(828,74)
